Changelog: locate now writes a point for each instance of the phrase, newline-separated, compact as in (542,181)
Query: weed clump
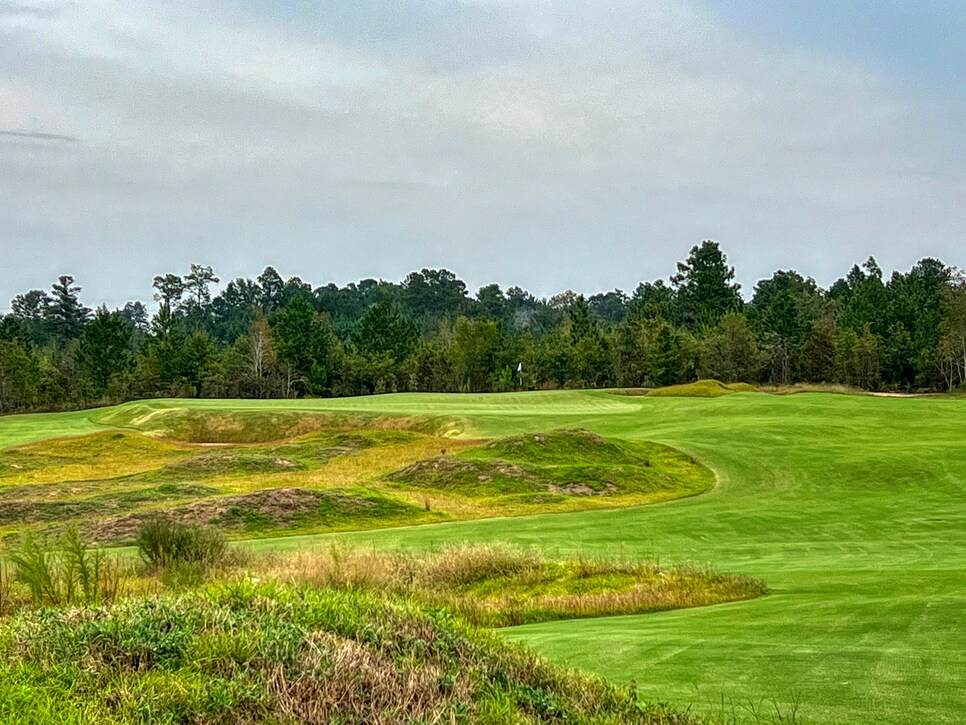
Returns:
(71,574)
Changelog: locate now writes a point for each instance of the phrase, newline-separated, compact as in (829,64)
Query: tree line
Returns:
(271,337)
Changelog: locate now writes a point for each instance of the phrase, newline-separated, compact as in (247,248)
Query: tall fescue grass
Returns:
(5,589)
(492,585)
(68,572)
(71,574)
(794,388)
(497,585)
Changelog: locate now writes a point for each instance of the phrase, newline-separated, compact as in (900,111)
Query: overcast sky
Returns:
(581,144)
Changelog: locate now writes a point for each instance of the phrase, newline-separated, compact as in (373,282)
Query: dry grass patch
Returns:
(498,586)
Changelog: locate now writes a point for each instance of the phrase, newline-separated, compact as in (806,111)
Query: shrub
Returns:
(164,543)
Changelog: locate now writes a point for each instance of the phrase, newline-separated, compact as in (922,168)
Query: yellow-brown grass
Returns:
(497,585)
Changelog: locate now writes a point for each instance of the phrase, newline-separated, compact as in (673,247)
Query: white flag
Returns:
(520,368)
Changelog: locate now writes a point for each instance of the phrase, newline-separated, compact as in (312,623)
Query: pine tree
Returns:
(65,314)
(104,348)
(703,286)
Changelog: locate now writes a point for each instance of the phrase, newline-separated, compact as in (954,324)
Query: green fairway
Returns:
(851,508)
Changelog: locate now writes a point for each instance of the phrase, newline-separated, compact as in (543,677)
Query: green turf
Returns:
(18,429)
(850,507)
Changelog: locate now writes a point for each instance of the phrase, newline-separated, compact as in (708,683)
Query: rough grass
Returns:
(337,636)
(117,479)
(274,511)
(328,480)
(247,653)
(559,465)
(250,425)
(702,389)
(492,585)
(498,586)
(83,457)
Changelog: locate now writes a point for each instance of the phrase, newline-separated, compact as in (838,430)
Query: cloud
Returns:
(565,144)
(37,135)
(41,10)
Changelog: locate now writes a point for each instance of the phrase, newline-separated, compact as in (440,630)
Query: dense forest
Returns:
(272,337)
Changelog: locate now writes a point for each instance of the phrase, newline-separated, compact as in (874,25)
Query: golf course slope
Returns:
(266,473)
(850,508)
(249,653)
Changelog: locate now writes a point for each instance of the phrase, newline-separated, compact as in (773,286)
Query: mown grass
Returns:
(848,506)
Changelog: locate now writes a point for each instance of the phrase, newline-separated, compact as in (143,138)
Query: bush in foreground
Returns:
(248,653)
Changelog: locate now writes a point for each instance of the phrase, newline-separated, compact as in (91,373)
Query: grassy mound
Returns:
(331,479)
(702,389)
(271,654)
(74,459)
(221,464)
(545,468)
(197,426)
(565,446)
(275,510)
(204,425)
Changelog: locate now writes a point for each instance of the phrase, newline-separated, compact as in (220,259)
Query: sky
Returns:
(582,144)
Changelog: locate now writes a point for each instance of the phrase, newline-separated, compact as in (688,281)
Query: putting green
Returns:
(851,508)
